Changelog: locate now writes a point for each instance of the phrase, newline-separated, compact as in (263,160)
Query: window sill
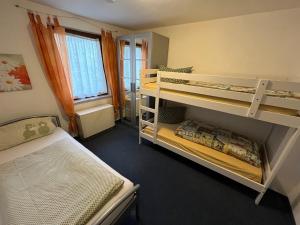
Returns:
(80,101)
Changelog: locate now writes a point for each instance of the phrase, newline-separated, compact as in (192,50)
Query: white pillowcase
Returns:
(25,130)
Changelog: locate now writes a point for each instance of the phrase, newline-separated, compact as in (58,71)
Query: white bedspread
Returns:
(61,138)
(56,185)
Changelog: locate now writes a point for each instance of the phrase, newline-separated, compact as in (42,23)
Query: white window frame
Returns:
(70,31)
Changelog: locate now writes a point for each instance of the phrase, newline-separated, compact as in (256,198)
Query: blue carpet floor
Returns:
(176,191)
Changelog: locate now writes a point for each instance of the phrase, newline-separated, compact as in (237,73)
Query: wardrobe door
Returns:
(141,62)
(134,55)
(126,74)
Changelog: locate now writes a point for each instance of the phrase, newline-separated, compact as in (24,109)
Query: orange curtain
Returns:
(144,54)
(109,52)
(121,72)
(51,43)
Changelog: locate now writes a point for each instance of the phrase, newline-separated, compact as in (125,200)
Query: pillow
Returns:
(25,130)
(179,70)
(221,140)
(171,115)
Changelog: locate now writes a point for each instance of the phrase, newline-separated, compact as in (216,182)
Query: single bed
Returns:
(113,208)
(166,133)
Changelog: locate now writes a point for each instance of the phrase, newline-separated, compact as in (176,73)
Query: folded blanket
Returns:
(219,139)
(59,184)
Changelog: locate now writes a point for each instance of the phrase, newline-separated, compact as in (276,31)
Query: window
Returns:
(138,65)
(86,66)
(127,74)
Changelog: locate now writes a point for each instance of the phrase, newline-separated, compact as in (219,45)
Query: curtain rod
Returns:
(61,16)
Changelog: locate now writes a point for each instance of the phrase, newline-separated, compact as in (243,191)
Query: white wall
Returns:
(15,38)
(263,44)
(256,45)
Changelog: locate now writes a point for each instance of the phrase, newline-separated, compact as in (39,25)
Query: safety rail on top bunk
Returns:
(255,100)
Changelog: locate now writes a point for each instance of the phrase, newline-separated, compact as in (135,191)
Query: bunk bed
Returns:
(276,102)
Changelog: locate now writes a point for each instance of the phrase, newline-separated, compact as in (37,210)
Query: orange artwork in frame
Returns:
(13,73)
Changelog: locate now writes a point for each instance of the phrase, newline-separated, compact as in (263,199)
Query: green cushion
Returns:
(178,70)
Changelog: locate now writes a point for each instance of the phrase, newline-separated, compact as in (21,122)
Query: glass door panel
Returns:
(141,59)
(125,68)
(133,57)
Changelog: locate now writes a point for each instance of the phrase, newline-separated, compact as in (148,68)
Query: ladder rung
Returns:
(147,123)
(148,93)
(147,109)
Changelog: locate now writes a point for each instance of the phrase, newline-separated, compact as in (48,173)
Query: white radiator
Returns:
(94,120)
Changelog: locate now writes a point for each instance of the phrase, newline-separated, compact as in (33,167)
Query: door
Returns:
(141,62)
(126,76)
(133,56)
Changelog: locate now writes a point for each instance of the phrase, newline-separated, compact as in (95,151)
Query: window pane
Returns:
(138,65)
(138,53)
(127,74)
(127,52)
(127,68)
(87,73)
(127,83)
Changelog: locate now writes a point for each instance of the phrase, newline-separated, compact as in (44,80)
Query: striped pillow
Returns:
(178,70)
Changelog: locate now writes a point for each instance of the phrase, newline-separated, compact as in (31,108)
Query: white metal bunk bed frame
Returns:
(253,111)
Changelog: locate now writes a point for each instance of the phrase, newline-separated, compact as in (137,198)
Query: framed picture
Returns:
(13,73)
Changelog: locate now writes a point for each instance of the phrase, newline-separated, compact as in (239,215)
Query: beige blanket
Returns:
(56,185)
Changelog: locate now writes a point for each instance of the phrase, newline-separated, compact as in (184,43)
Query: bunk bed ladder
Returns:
(142,108)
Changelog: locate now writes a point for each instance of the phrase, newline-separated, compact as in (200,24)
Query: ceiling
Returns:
(144,14)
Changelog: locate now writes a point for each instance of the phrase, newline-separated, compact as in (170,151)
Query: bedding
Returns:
(166,133)
(221,140)
(275,93)
(178,70)
(61,138)
(153,85)
(25,130)
(59,134)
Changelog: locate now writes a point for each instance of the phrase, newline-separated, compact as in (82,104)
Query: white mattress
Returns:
(37,144)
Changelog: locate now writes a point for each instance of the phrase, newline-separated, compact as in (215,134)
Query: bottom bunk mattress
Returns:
(57,184)
(166,133)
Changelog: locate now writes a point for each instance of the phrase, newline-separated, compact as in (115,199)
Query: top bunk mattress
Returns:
(166,133)
(38,145)
(152,87)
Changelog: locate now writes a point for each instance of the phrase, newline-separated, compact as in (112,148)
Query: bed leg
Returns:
(137,210)
(259,197)
(137,214)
